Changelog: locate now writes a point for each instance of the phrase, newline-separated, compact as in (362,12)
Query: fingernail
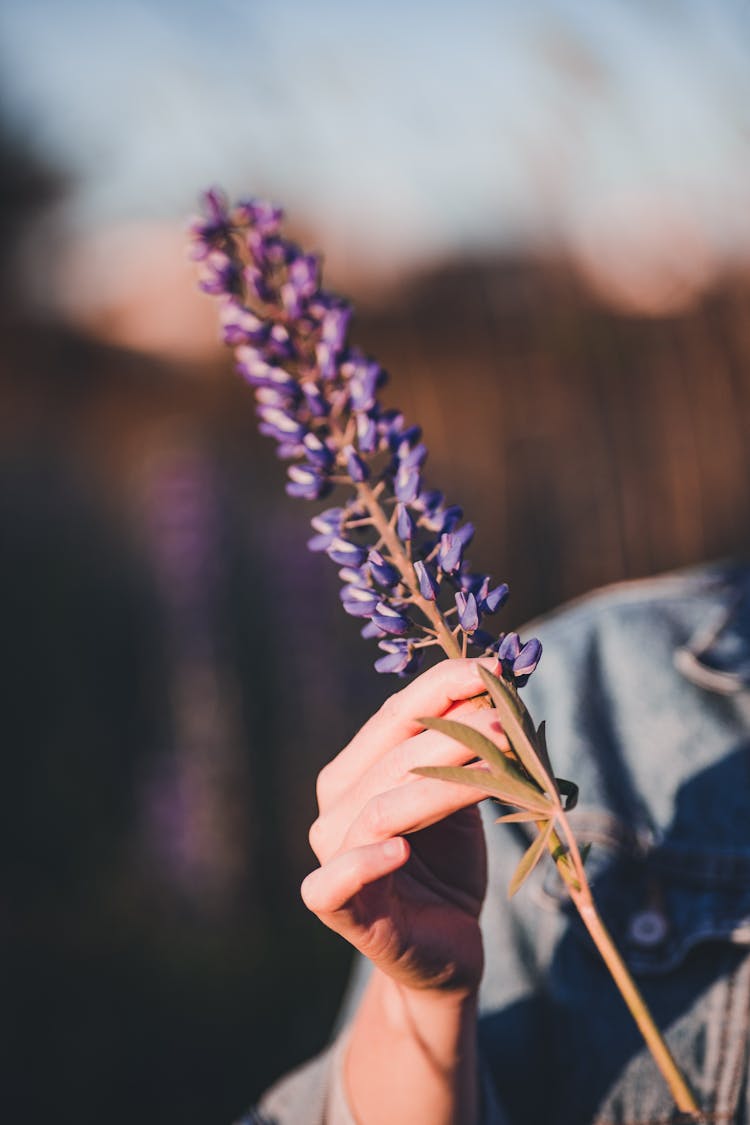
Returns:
(394,849)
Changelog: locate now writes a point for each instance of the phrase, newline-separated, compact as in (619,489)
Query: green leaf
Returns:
(519,817)
(569,790)
(530,859)
(482,746)
(517,736)
(508,790)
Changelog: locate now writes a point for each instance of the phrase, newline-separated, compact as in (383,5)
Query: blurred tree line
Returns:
(176,667)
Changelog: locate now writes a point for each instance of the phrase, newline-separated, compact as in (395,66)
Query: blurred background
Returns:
(542,214)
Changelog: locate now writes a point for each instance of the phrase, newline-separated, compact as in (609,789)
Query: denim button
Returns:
(647,929)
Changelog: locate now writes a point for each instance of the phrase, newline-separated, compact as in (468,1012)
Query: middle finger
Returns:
(394,771)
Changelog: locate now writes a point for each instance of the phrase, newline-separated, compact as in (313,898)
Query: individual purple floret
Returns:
(428,583)
(359,601)
(400,657)
(468,611)
(400,547)
(518,660)
(384,573)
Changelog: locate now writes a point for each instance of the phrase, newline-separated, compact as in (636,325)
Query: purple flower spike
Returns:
(384,573)
(318,398)
(449,555)
(468,613)
(390,620)
(428,585)
(345,553)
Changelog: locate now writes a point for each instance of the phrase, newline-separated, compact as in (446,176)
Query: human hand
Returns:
(410,905)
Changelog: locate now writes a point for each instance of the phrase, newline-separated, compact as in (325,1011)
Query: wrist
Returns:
(401,1003)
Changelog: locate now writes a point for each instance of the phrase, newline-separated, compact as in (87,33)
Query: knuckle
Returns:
(375,818)
(316,836)
(402,761)
(442,671)
(390,709)
(445,671)
(324,785)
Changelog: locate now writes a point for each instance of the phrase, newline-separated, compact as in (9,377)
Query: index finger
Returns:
(432,693)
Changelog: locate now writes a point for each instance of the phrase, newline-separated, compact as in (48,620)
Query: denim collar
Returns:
(717,655)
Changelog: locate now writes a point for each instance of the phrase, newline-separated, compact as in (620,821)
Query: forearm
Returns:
(412,1057)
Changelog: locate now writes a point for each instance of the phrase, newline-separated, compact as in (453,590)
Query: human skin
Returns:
(402,877)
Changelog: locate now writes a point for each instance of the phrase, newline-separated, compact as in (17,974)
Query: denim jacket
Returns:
(644,688)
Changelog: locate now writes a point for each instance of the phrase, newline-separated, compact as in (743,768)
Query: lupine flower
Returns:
(400,547)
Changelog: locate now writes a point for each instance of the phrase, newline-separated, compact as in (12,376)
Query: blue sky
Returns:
(416,125)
